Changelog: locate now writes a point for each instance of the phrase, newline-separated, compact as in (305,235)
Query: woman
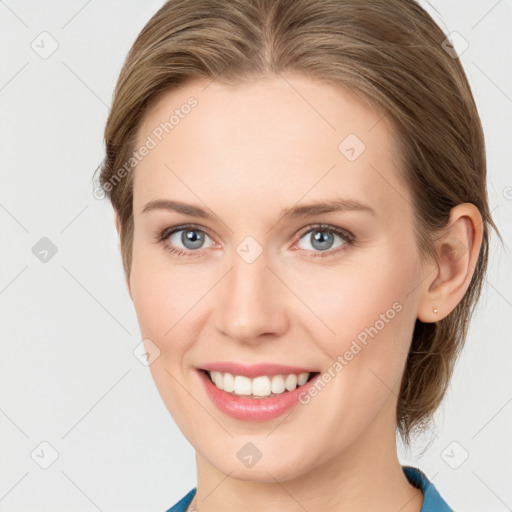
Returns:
(300,195)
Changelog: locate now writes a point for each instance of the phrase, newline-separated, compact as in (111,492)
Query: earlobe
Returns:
(457,255)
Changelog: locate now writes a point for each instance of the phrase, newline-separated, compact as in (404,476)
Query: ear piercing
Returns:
(435,311)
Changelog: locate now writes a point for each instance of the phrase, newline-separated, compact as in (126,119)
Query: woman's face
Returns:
(261,277)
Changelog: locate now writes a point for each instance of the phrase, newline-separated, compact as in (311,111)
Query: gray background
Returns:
(68,376)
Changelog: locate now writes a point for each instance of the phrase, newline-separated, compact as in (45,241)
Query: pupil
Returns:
(323,239)
(192,239)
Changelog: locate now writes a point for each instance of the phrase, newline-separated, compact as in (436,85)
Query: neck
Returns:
(366,476)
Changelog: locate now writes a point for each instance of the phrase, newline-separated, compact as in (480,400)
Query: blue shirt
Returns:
(432,501)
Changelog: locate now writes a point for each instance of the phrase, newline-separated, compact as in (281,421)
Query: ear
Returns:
(457,253)
(118,228)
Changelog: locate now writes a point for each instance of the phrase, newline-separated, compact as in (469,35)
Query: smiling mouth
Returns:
(263,386)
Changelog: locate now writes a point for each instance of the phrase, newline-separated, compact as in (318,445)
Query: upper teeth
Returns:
(259,386)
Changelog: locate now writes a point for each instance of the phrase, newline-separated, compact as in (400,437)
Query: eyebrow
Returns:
(296,212)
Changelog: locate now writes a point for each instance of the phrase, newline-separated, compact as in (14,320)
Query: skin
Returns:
(245,153)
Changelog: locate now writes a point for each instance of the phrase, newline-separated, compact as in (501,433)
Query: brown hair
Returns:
(388,52)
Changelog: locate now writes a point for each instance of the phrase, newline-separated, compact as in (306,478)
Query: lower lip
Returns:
(253,409)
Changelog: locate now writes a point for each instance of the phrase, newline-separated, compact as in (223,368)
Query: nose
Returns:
(250,302)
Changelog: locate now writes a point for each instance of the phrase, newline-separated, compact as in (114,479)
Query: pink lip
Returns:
(254,409)
(255,370)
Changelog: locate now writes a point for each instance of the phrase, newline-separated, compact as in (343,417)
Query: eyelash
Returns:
(349,239)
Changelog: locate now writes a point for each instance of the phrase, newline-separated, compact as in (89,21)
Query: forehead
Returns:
(281,138)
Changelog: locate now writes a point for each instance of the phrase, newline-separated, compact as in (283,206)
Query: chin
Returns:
(267,469)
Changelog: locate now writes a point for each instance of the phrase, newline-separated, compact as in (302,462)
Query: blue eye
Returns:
(322,239)
(187,240)
(190,237)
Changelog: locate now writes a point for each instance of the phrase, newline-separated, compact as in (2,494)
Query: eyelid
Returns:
(326,227)
(167,232)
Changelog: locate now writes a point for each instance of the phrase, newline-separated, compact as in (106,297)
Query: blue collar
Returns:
(432,501)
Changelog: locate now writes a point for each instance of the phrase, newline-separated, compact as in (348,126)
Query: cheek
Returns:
(364,301)
(152,298)
(162,292)
(164,296)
